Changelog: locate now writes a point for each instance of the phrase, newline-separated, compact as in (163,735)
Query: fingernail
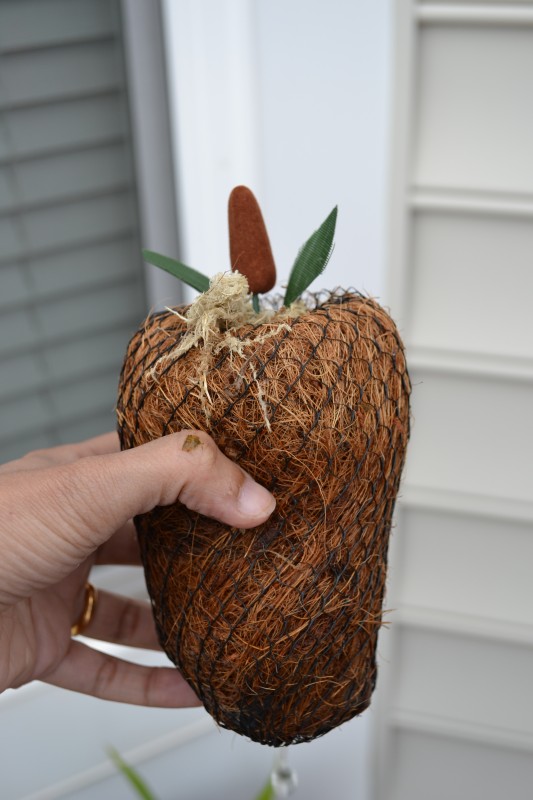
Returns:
(254,500)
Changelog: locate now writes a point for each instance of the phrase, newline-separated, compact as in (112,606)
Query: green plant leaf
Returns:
(267,792)
(186,274)
(131,775)
(312,259)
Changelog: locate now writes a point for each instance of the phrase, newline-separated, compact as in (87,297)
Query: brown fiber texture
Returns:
(250,250)
(276,628)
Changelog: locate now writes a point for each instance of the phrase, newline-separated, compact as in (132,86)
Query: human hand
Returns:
(68,508)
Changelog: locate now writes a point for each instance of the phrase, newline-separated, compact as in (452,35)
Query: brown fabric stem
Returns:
(250,250)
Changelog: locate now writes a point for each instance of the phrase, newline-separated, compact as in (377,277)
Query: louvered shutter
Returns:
(71,277)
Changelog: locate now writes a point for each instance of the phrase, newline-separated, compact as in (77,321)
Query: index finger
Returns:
(97,446)
(64,453)
(102,675)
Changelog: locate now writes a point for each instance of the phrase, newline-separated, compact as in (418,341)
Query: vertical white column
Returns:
(148,99)
(210,47)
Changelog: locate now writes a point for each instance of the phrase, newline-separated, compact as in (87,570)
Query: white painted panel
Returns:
(472,284)
(475,115)
(73,731)
(438,768)
(240,768)
(471,435)
(223,766)
(444,555)
(455,700)
(471,680)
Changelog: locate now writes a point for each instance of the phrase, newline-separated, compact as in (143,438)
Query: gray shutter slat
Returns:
(81,397)
(16,329)
(57,177)
(22,444)
(60,126)
(44,76)
(66,224)
(8,239)
(21,375)
(71,431)
(71,281)
(87,426)
(92,395)
(13,289)
(15,347)
(110,261)
(26,24)
(5,189)
(65,273)
(23,414)
(102,350)
(63,363)
(89,311)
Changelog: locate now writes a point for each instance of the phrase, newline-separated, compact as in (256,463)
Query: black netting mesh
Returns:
(276,628)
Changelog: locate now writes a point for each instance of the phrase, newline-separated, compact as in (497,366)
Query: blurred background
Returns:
(125,125)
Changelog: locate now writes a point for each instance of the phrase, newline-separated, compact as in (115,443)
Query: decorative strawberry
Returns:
(275,628)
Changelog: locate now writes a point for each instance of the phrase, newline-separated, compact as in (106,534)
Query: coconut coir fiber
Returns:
(276,628)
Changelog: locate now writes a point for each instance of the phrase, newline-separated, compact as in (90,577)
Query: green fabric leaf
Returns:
(186,274)
(312,259)
(267,792)
(131,775)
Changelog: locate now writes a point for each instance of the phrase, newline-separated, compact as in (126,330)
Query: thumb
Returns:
(64,513)
(185,466)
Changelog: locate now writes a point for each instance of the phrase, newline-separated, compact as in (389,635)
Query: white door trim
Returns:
(153,152)
(213,81)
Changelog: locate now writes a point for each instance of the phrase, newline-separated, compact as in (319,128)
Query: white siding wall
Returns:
(455,712)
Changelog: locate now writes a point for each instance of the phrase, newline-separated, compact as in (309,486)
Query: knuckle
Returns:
(105,676)
(209,454)
(34,454)
(149,688)
(35,458)
(201,447)
(204,470)
(128,623)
